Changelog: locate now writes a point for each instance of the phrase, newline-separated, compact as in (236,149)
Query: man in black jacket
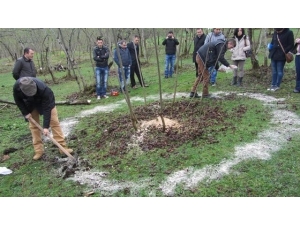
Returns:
(170,42)
(24,66)
(207,57)
(198,42)
(133,48)
(100,56)
(33,98)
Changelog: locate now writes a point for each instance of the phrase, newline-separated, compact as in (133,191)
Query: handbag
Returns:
(248,53)
(288,56)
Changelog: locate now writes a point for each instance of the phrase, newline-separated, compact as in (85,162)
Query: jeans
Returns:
(169,65)
(297,64)
(126,73)
(277,72)
(101,80)
(213,74)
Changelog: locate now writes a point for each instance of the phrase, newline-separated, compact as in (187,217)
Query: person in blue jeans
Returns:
(124,64)
(100,56)
(170,42)
(214,35)
(277,55)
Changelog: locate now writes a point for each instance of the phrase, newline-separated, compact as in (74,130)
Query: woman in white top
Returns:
(238,55)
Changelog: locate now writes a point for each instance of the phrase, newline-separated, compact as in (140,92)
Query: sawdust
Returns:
(157,122)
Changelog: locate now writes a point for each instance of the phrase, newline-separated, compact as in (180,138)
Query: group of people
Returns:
(209,51)
(34,98)
(126,56)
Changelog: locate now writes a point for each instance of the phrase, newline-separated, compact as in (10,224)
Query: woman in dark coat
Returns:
(277,55)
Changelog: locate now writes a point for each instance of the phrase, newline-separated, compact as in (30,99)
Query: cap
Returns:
(28,86)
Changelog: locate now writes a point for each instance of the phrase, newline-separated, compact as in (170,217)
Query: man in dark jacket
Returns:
(124,64)
(207,57)
(285,37)
(24,66)
(133,48)
(100,56)
(170,42)
(33,98)
(198,42)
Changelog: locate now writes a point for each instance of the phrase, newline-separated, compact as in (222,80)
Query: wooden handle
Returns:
(52,139)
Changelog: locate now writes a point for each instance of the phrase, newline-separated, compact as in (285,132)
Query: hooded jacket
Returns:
(24,68)
(43,101)
(211,37)
(242,45)
(287,41)
(213,52)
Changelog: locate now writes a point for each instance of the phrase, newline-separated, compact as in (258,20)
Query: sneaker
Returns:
(194,95)
(275,88)
(104,96)
(213,84)
(270,88)
(98,97)
(296,91)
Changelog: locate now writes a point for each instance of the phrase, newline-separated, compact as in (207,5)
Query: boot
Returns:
(240,82)
(234,81)
(194,95)
(38,155)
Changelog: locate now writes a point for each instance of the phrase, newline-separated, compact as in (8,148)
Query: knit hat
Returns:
(28,86)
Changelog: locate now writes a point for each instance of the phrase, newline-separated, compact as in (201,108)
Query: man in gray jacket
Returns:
(24,66)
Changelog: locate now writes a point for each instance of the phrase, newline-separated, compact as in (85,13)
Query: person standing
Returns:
(215,35)
(134,49)
(34,98)
(207,57)
(100,56)
(297,65)
(198,42)
(170,48)
(126,62)
(238,55)
(24,66)
(286,37)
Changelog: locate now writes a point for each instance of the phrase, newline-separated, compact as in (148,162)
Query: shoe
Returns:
(194,95)
(145,85)
(166,77)
(98,97)
(134,87)
(274,88)
(104,96)
(296,91)
(38,155)
(270,88)
(213,84)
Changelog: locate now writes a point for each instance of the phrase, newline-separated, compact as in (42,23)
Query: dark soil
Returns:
(198,120)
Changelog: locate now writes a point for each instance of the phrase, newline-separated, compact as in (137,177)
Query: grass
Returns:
(274,177)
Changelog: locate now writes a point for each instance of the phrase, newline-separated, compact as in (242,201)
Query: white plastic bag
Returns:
(5,171)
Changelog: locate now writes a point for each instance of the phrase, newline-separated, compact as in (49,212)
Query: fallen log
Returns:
(76,102)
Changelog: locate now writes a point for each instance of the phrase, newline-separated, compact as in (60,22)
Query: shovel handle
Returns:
(52,139)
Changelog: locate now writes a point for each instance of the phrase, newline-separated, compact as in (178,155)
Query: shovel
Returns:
(53,140)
